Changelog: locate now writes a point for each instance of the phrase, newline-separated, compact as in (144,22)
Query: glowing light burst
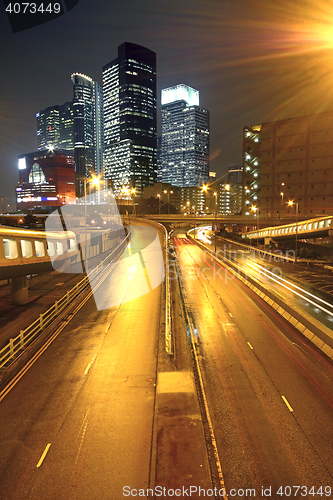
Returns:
(277,54)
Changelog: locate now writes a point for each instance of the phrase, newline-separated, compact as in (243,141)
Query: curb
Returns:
(321,336)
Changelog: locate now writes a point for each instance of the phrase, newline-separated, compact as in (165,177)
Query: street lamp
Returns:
(256,210)
(291,203)
(193,206)
(215,194)
(165,192)
(281,194)
(128,193)
(159,204)
(95,181)
(188,208)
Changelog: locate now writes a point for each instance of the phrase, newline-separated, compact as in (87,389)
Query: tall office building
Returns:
(99,130)
(129,90)
(88,129)
(185,137)
(55,127)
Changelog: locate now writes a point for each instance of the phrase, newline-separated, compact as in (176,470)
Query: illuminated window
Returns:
(50,248)
(39,247)
(10,248)
(60,249)
(36,174)
(26,248)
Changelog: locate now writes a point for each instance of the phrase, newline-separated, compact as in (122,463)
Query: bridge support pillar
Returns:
(19,291)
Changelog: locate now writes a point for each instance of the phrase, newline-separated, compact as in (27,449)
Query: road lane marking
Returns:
(230,314)
(43,348)
(84,427)
(250,346)
(44,455)
(89,366)
(288,405)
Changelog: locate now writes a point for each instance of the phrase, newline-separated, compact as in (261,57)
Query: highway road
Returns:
(269,391)
(286,279)
(78,425)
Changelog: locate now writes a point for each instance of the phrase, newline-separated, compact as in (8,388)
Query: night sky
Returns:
(252,61)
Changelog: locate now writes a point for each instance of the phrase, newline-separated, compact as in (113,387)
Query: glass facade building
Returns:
(129,91)
(185,137)
(55,127)
(88,129)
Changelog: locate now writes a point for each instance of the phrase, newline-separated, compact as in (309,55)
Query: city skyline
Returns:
(252,62)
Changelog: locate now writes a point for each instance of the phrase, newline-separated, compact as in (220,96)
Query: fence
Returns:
(16,345)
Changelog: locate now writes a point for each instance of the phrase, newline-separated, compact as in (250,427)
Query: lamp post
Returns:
(215,194)
(256,211)
(128,193)
(165,192)
(159,204)
(95,181)
(291,203)
(132,191)
(193,206)
(204,190)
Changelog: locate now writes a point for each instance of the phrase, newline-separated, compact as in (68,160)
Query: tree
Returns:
(29,220)
(148,206)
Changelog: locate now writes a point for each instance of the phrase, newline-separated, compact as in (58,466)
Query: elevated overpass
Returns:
(310,228)
(243,221)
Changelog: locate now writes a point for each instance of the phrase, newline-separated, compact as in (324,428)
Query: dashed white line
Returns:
(250,345)
(89,366)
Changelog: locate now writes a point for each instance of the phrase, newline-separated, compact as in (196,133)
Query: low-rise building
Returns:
(46,180)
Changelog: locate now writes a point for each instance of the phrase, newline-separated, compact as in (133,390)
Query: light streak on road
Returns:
(282,281)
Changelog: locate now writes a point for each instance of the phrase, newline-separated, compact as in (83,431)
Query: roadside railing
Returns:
(168,332)
(255,249)
(17,344)
(168,312)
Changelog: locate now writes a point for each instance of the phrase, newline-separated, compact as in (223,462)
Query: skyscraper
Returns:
(185,137)
(129,90)
(99,129)
(55,127)
(88,129)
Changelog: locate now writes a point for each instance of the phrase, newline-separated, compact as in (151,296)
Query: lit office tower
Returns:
(83,102)
(88,129)
(129,90)
(99,130)
(55,127)
(185,137)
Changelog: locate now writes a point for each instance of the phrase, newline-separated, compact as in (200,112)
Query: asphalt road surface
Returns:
(269,391)
(269,271)
(78,424)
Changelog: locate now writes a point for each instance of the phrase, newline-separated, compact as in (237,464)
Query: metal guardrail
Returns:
(259,250)
(253,249)
(168,313)
(168,332)
(16,345)
(318,334)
